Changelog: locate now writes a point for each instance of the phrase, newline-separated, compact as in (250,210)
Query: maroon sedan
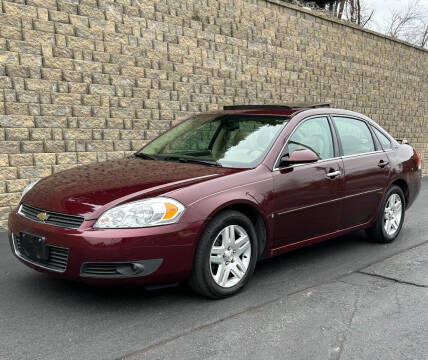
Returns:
(210,197)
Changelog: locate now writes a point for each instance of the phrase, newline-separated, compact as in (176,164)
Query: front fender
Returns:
(206,209)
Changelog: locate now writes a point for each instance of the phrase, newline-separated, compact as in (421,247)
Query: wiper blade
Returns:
(200,161)
(195,161)
(144,156)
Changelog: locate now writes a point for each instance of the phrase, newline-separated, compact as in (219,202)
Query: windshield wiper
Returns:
(194,161)
(200,161)
(144,156)
(176,158)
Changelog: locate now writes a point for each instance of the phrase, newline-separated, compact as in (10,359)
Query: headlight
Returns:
(28,188)
(141,213)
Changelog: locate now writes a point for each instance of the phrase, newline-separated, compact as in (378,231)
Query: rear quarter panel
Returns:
(404,166)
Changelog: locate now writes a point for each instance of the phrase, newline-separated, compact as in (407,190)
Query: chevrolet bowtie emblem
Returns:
(42,216)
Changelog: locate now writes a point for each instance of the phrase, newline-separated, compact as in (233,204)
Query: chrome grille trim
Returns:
(55,219)
(57,261)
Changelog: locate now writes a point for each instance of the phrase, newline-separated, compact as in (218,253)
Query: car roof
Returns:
(269,109)
(286,110)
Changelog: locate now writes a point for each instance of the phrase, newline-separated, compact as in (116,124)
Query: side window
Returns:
(384,141)
(313,134)
(355,136)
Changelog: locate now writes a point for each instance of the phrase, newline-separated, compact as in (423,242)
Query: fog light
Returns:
(138,268)
(130,269)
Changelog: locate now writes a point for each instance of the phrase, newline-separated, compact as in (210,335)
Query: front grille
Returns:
(57,260)
(56,219)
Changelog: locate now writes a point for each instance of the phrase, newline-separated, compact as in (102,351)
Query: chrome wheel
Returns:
(392,214)
(230,256)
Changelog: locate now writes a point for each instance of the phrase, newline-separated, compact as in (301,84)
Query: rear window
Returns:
(384,141)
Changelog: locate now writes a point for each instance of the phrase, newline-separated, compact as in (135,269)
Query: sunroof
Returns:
(286,107)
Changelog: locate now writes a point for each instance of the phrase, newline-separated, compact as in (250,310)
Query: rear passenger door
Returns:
(366,171)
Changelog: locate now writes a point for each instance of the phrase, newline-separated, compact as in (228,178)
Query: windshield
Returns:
(239,141)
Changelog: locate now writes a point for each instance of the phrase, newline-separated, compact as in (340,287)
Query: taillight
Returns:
(418,159)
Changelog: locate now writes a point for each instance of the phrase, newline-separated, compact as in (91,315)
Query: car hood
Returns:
(87,190)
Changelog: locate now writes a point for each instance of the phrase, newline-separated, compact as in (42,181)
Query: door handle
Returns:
(382,163)
(333,174)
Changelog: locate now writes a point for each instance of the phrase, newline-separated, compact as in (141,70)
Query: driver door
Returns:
(307,196)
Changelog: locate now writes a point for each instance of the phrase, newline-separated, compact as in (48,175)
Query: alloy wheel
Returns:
(392,214)
(230,256)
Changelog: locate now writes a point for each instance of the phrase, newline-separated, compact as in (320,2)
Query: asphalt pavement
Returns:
(346,298)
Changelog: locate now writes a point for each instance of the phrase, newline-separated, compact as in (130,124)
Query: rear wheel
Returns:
(225,257)
(390,218)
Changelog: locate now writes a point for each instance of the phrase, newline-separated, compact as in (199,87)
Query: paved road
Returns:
(346,298)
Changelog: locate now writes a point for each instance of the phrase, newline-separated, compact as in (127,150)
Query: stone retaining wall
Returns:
(87,80)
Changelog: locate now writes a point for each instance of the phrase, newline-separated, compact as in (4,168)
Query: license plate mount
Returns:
(34,247)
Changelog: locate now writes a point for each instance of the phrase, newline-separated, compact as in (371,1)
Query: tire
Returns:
(379,231)
(218,263)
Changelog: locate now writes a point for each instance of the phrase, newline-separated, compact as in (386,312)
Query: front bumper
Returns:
(166,252)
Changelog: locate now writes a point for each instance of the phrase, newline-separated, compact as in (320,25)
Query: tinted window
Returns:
(196,140)
(230,140)
(355,136)
(313,134)
(384,141)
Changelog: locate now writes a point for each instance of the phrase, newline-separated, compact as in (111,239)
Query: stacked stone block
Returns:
(90,80)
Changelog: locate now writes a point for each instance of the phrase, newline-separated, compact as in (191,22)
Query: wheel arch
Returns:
(402,184)
(253,213)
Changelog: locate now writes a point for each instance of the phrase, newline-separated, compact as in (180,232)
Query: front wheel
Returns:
(390,218)
(225,257)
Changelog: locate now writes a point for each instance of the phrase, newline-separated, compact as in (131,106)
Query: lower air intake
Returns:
(57,259)
(119,269)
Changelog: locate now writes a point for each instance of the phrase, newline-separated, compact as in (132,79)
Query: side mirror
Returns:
(300,157)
